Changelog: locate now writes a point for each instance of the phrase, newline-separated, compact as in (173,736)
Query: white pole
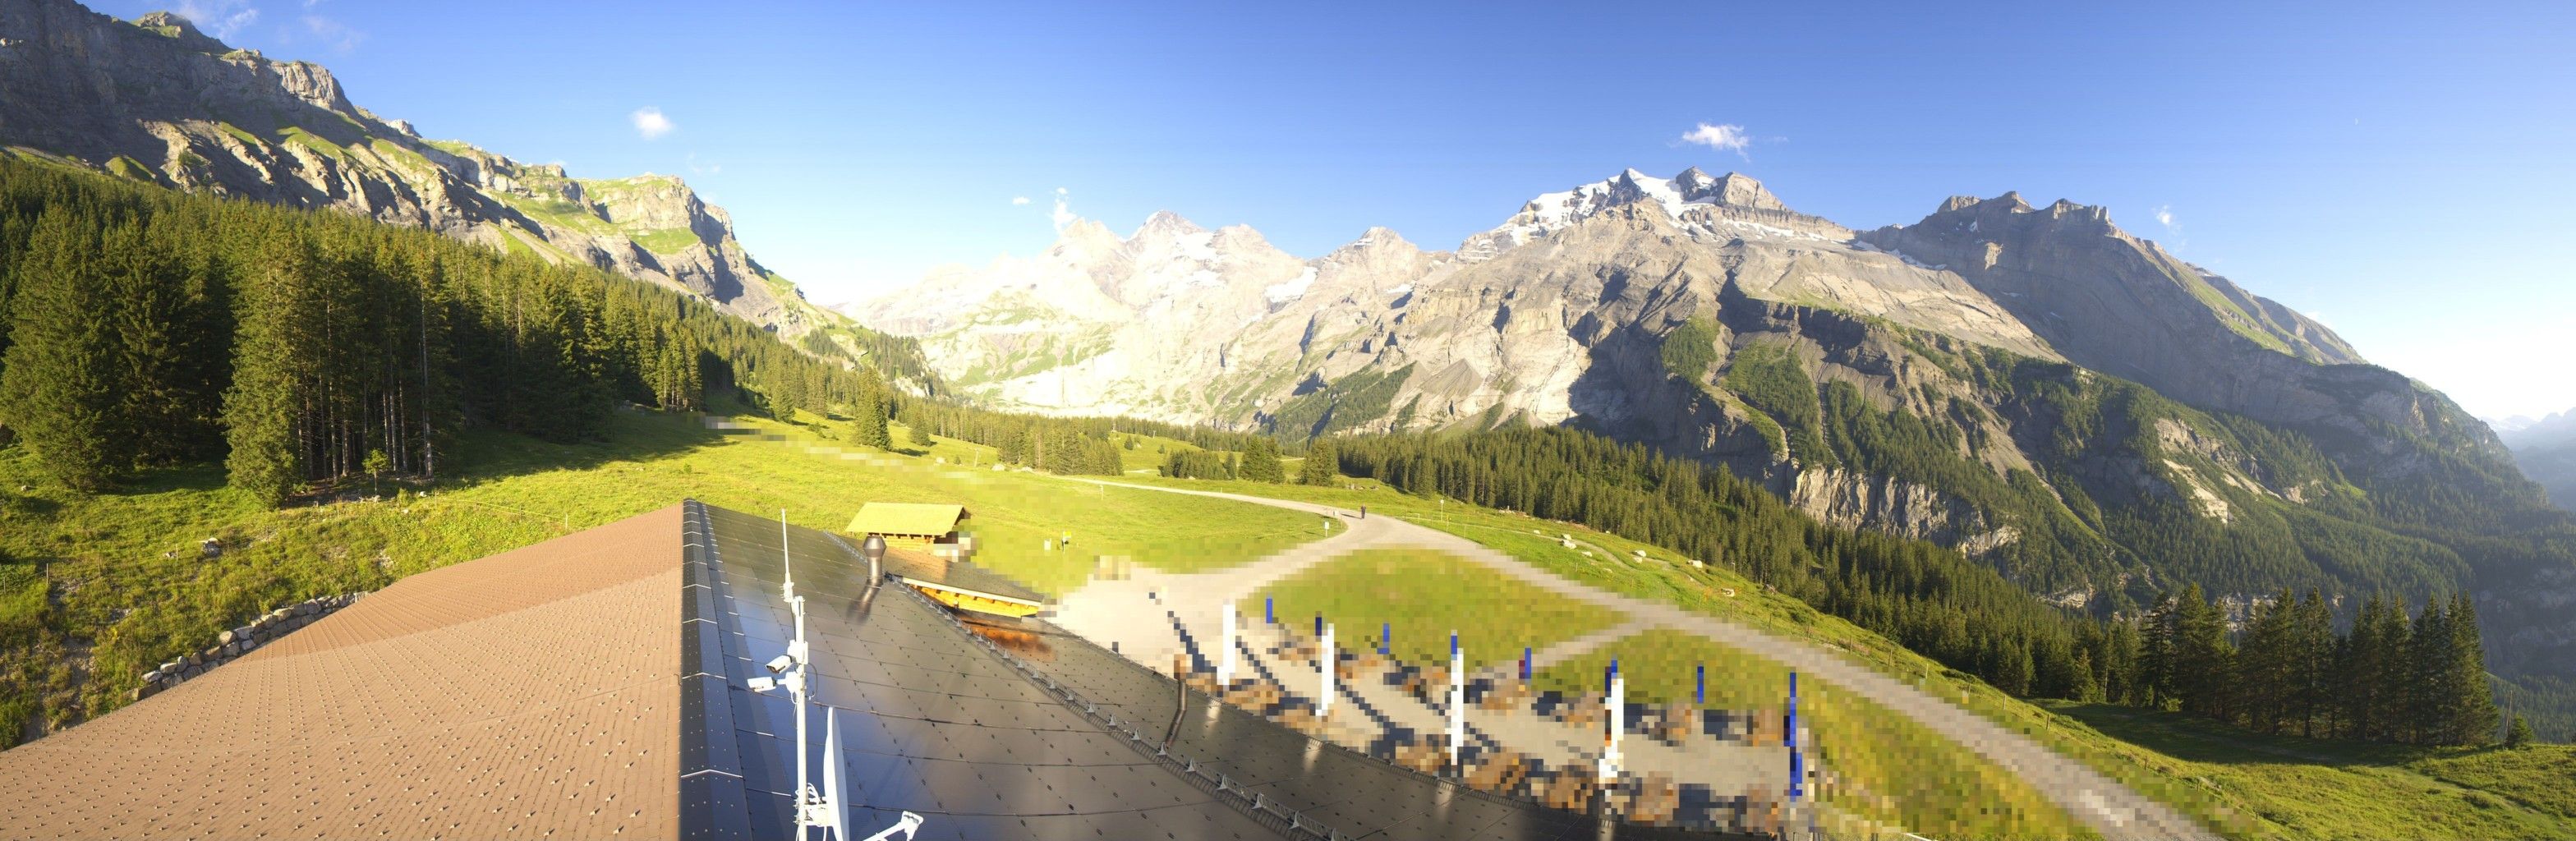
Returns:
(1457,701)
(1225,664)
(1616,704)
(795,675)
(1324,671)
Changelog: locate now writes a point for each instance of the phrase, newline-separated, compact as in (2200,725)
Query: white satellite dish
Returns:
(836,792)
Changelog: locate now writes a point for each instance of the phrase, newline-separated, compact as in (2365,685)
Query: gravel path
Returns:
(2110,808)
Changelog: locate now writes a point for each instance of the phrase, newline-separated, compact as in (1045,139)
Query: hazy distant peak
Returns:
(1165,223)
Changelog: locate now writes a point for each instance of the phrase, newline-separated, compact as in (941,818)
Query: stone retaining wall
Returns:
(239,641)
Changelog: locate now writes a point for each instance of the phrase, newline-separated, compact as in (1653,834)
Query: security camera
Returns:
(780,663)
(761,684)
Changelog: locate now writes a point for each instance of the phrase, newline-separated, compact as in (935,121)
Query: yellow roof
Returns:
(907,518)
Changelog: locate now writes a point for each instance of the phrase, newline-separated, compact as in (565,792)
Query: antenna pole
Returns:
(812,809)
(805,795)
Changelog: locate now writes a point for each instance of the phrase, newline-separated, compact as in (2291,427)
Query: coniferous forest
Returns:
(2417,680)
(1073,446)
(147,327)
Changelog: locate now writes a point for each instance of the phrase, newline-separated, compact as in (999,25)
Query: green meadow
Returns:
(95,590)
(2316,789)
(1424,595)
(1883,773)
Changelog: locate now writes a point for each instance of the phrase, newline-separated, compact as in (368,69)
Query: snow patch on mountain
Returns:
(1281,293)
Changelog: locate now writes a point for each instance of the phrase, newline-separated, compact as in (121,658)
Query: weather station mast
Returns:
(826,808)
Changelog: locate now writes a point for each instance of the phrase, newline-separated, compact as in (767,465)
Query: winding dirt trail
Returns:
(2110,808)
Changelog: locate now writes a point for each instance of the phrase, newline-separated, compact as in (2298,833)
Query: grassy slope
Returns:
(123,568)
(126,562)
(1425,595)
(1888,773)
(2241,801)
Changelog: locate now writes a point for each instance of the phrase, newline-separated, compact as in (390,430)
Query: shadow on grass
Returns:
(484,456)
(2192,738)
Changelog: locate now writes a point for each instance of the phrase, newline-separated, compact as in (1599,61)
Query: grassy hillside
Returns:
(2520,793)
(97,589)
(116,577)
(1420,596)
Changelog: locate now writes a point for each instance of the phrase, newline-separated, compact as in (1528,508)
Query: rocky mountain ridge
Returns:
(2545,448)
(156,100)
(2031,385)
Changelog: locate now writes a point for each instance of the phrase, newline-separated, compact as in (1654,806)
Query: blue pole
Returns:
(1385,638)
(1789,734)
(1319,624)
(1267,616)
(1525,664)
(1699,695)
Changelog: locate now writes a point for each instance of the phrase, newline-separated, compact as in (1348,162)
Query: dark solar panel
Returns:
(1017,729)
(931,722)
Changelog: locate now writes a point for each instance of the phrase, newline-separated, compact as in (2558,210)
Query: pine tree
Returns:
(2374,675)
(1319,465)
(2159,677)
(2265,666)
(1261,462)
(59,389)
(2204,661)
(2473,710)
(2518,735)
(2430,697)
(869,421)
(2313,650)
(261,412)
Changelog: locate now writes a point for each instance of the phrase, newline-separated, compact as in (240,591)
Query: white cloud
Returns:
(2173,226)
(696,168)
(339,35)
(1063,214)
(219,18)
(1019,200)
(1724,138)
(650,123)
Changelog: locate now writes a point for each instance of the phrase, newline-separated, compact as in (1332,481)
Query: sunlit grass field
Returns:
(118,576)
(2321,789)
(127,563)
(1424,595)
(1883,769)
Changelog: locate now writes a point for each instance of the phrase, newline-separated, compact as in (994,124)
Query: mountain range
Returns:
(2030,384)
(156,100)
(2546,450)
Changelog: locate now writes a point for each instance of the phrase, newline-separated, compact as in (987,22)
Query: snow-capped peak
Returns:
(1677,195)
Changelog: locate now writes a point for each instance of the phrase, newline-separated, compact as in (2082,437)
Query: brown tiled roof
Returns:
(528,694)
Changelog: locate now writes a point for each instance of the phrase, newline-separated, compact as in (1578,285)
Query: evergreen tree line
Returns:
(1084,445)
(1202,464)
(147,327)
(1946,606)
(2390,679)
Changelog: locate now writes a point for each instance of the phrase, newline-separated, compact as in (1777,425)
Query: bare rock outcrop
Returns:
(156,100)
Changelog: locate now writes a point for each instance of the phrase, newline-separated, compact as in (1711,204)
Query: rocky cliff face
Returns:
(156,100)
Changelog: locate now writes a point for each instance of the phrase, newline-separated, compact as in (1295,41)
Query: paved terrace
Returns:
(525,694)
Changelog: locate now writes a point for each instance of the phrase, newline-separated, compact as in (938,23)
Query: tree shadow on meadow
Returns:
(2195,739)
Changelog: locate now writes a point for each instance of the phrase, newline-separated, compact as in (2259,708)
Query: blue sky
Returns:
(2404,173)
